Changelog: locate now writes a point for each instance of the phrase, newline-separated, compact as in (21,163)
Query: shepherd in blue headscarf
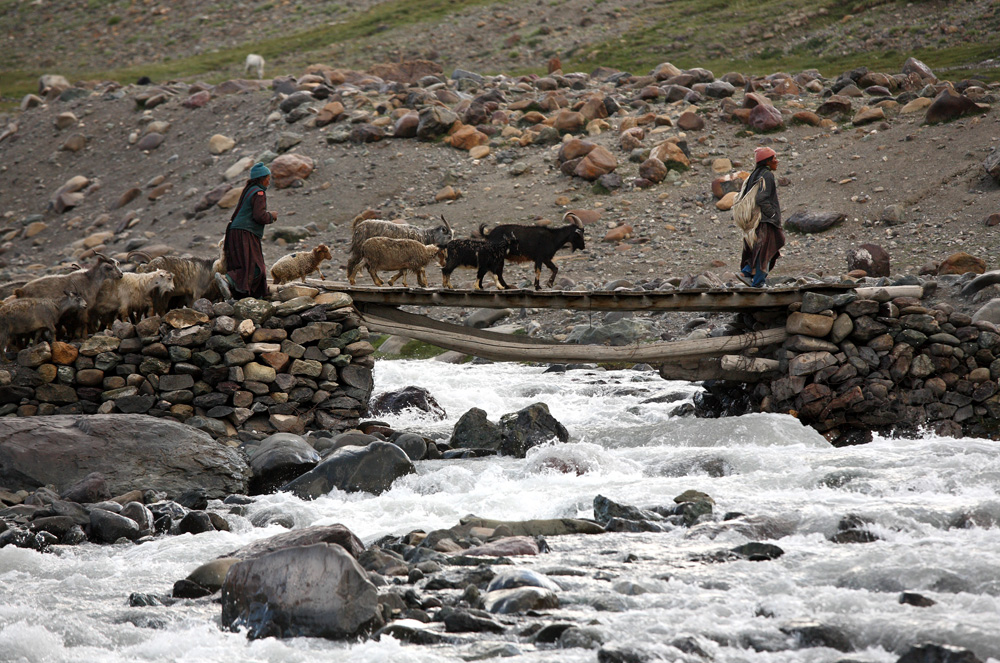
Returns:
(246,275)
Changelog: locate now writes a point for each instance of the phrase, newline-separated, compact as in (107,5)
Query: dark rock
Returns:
(950,106)
(370,469)
(474,431)
(812,634)
(934,653)
(415,398)
(871,258)
(308,591)
(307,536)
(917,600)
(605,509)
(279,459)
(195,522)
(92,489)
(528,428)
(130,451)
(813,222)
(107,527)
(463,621)
(757,552)
(187,589)
(413,445)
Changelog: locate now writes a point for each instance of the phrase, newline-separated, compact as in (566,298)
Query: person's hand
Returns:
(274,215)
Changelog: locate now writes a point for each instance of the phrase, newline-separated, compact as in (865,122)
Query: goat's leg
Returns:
(498,275)
(538,275)
(480,275)
(446,279)
(551,265)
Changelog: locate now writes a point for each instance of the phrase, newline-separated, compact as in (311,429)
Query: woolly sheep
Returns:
(254,63)
(34,315)
(364,227)
(84,282)
(399,254)
(296,266)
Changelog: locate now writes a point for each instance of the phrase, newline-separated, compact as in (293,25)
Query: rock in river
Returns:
(370,469)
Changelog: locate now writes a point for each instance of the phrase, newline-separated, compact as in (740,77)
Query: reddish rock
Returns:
(671,155)
(765,118)
(689,121)
(406,126)
(950,105)
(653,170)
(331,112)
(554,64)
(599,161)
(752,100)
(467,137)
(623,231)
(569,122)
(867,115)
(574,149)
(290,167)
(962,263)
(631,139)
(807,117)
(835,105)
(594,109)
(915,66)
(197,100)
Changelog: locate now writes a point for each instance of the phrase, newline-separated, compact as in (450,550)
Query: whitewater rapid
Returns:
(931,501)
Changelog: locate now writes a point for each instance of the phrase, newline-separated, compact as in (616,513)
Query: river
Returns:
(931,503)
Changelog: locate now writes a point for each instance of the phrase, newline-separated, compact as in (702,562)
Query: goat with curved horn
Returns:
(446,224)
(138,254)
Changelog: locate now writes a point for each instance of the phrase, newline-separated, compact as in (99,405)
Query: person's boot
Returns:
(223,285)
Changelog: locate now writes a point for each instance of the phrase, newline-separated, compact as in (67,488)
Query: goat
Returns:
(34,315)
(194,278)
(399,254)
(84,282)
(130,298)
(539,244)
(363,229)
(254,62)
(485,255)
(300,265)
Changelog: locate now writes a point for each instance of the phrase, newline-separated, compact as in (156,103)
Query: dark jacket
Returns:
(767,197)
(251,212)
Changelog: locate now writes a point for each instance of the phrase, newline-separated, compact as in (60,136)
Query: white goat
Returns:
(130,298)
(33,315)
(254,63)
(399,254)
(300,265)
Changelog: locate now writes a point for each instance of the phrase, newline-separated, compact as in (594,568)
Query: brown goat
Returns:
(33,315)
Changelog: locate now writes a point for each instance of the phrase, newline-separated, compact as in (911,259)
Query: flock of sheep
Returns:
(85,300)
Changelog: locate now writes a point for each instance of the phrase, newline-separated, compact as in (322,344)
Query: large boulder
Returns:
(950,105)
(434,121)
(370,469)
(528,428)
(813,222)
(871,258)
(475,431)
(278,459)
(962,263)
(130,451)
(307,591)
(288,168)
(765,117)
(306,536)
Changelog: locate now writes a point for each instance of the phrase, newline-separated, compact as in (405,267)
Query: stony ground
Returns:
(933,172)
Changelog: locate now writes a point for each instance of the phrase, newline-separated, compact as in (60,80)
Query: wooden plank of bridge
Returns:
(506,347)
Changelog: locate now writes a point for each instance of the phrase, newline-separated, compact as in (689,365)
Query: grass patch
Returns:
(412,350)
(296,49)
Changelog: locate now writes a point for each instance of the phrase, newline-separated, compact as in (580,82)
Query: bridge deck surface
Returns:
(698,299)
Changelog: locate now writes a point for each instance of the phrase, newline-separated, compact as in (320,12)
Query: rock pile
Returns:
(882,363)
(236,371)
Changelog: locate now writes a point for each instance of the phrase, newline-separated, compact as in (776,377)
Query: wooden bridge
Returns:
(728,357)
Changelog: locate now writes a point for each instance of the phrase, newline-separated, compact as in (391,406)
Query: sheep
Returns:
(254,62)
(539,244)
(363,228)
(194,278)
(487,255)
(84,282)
(130,298)
(35,315)
(300,265)
(399,254)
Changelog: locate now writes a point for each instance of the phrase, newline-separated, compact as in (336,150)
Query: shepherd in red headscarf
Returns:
(759,259)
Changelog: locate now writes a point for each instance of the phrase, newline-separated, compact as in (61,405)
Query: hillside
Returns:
(148,198)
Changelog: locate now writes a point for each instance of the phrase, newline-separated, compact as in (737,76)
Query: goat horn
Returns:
(72,266)
(574,219)
(446,224)
(140,254)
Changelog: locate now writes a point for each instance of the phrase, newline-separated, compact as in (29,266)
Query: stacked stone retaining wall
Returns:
(237,371)
(851,366)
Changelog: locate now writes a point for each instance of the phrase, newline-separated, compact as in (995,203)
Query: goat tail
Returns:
(483,231)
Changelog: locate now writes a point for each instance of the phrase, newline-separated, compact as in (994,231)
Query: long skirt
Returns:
(766,249)
(245,262)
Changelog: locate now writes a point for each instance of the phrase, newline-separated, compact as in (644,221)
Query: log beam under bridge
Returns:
(508,347)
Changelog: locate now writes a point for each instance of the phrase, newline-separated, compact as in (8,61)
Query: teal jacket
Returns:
(251,212)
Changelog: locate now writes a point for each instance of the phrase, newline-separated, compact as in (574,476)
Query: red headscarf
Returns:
(763,154)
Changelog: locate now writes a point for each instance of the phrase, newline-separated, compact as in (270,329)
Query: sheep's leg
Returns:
(395,278)
(320,274)
(422,277)
(353,262)
(375,279)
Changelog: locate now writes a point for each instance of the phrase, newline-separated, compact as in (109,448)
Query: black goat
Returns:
(486,255)
(539,244)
